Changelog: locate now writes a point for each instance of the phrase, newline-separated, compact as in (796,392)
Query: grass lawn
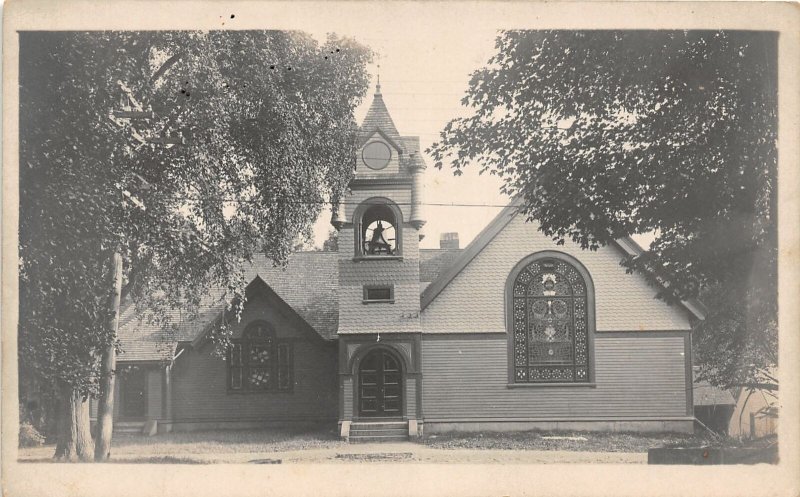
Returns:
(270,446)
(215,442)
(567,441)
(177,447)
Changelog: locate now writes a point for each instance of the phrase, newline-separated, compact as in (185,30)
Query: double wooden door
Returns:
(380,385)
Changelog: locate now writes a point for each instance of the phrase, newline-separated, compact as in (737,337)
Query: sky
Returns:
(424,75)
(425,65)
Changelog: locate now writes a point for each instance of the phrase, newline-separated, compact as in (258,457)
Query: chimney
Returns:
(448,241)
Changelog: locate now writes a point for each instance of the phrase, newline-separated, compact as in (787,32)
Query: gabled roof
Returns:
(143,341)
(258,286)
(630,247)
(308,285)
(465,256)
(433,262)
(410,144)
(626,244)
(378,118)
(366,135)
(705,394)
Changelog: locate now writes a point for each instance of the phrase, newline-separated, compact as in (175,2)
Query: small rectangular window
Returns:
(384,293)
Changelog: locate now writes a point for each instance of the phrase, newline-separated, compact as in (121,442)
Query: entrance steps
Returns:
(128,427)
(378,431)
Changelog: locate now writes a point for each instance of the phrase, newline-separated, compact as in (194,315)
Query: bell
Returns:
(378,243)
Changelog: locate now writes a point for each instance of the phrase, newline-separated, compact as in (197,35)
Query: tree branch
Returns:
(166,66)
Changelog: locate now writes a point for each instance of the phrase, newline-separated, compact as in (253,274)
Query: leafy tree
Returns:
(183,153)
(612,133)
(332,243)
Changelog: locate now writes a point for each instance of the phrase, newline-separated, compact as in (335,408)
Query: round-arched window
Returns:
(379,233)
(550,323)
(376,155)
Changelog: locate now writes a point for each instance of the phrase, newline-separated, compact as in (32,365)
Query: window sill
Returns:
(361,258)
(377,301)
(539,385)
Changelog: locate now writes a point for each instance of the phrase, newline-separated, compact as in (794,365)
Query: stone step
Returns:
(378,438)
(128,427)
(400,432)
(378,431)
(379,424)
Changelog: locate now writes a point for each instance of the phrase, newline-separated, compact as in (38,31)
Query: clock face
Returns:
(376,155)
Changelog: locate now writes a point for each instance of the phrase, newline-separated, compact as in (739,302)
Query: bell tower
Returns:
(380,222)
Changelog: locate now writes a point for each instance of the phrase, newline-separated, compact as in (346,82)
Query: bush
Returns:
(29,436)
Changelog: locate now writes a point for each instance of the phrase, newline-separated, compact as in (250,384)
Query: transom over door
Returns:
(380,385)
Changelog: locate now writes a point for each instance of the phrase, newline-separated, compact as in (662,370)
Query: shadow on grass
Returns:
(183,447)
(134,460)
(230,437)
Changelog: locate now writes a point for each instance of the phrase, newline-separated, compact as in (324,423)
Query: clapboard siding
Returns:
(200,390)
(348,398)
(467,377)
(410,399)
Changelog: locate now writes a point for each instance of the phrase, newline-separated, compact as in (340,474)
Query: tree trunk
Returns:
(74,436)
(105,409)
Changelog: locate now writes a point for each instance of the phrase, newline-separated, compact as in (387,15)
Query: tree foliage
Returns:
(331,244)
(186,152)
(607,134)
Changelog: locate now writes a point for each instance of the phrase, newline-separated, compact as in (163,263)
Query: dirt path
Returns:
(406,452)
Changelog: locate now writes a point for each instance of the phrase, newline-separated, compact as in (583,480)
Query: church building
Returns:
(383,340)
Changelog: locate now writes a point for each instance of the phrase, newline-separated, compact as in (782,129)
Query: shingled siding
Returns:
(200,391)
(400,195)
(474,301)
(636,377)
(402,275)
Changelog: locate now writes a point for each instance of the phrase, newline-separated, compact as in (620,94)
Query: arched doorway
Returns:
(380,385)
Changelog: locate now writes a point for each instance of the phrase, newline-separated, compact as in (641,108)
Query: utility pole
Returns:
(130,111)
(105,413)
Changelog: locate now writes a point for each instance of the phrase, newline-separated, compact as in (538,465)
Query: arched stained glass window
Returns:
(550,319)
(259,362)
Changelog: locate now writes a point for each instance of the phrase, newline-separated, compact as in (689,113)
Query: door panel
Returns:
(133,394)
(380,385)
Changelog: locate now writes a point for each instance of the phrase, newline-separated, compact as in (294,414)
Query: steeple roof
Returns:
(378,118)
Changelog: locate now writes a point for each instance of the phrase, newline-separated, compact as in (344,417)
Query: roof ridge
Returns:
(470,251)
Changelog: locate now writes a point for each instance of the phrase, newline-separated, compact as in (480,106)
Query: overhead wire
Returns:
(328,202)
